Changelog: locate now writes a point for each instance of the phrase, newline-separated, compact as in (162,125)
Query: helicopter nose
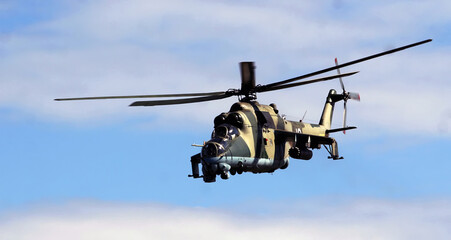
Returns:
(210,150)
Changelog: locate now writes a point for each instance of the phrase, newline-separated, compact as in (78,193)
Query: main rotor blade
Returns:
(180,101)
(348,63)
(143,96)
(265,88)
(247,70)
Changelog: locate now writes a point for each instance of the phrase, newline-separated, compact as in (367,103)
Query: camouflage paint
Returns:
(258,148)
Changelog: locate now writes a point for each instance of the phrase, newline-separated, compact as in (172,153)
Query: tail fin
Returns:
(326,117)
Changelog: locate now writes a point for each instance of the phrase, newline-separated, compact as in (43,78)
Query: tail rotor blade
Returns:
(344,117)
(354,96)
(338,71)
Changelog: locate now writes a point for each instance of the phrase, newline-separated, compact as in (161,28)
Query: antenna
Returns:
(302,119)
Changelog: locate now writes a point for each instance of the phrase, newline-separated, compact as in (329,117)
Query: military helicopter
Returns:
(253,137)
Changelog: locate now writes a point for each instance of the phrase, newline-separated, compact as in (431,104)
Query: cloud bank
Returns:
(141,47)
(361,219)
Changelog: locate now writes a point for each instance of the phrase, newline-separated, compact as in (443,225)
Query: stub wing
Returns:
(307,140)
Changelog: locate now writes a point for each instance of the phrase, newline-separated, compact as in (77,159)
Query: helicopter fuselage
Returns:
(252,137)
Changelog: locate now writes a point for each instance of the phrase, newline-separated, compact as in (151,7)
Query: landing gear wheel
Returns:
(232,171)
(285,165)
(240,168)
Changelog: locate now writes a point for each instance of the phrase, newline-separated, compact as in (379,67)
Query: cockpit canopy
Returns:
(225,131)
(220,141)
(232,118)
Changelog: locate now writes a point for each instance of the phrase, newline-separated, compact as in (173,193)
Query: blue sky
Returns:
(72,163)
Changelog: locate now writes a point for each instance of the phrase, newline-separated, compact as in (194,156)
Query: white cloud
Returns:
(360,219)
(140,47)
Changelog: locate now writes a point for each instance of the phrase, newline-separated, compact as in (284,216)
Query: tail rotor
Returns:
(346,95)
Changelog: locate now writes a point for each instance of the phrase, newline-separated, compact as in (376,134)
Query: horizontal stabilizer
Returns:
(339,129)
